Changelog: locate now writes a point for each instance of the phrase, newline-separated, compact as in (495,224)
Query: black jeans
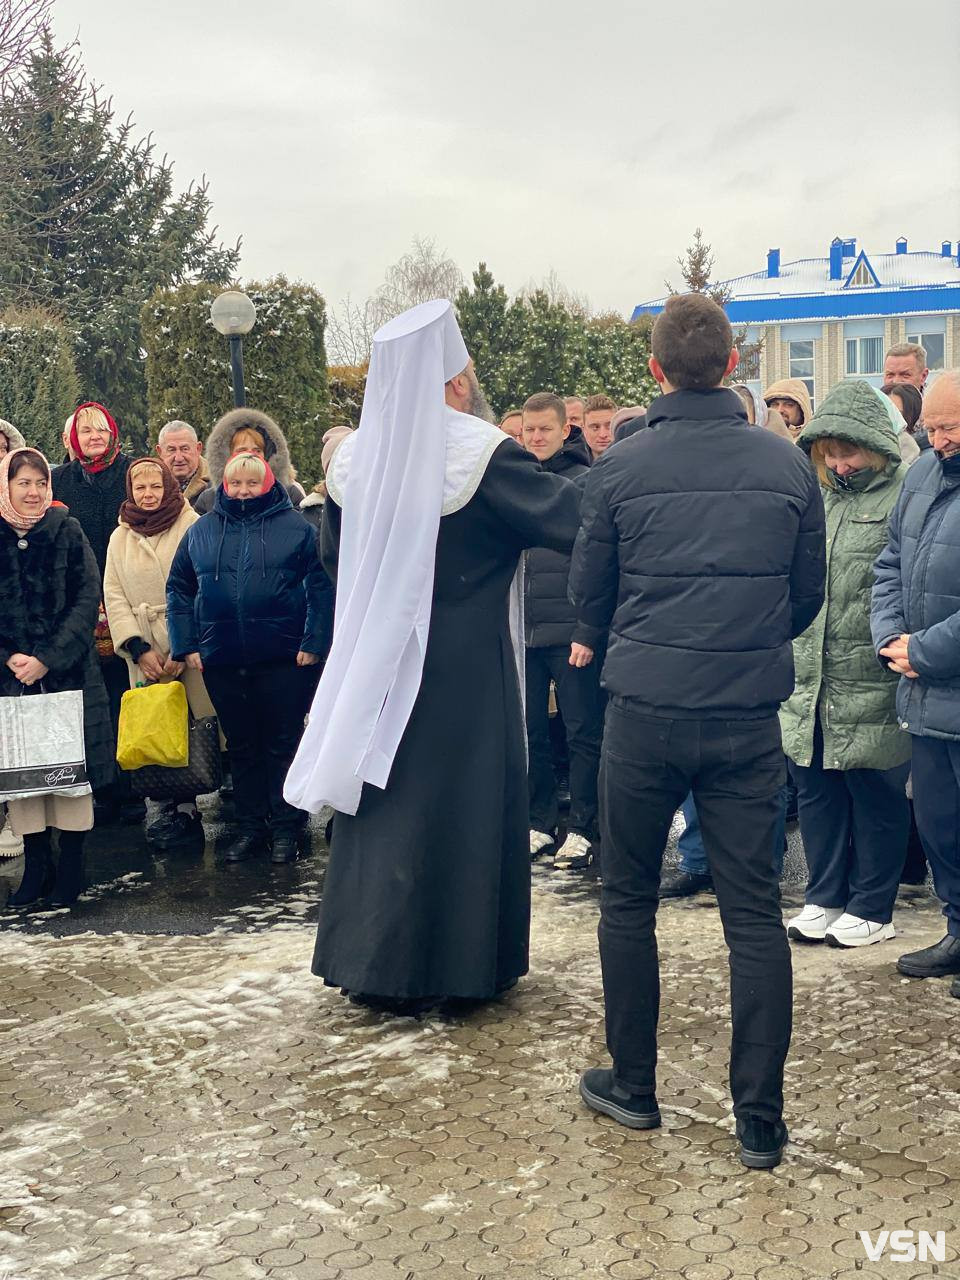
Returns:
(735,770)
(936,802)
(855,824)
(578,696)
(261,709)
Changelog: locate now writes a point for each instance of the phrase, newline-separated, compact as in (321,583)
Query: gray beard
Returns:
(480,405)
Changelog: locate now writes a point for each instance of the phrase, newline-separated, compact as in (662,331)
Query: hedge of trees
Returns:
(39,387)
(285,363)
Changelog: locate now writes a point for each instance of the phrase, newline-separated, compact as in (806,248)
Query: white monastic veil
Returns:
(393,494)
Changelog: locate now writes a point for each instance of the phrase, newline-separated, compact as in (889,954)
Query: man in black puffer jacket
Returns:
(559,649)
(702,548)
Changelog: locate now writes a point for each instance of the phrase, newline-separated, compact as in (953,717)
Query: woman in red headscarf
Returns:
(93,486)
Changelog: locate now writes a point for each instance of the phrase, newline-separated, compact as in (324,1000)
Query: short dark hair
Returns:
(541,400)
(909,397)
(24,458)
(692,341)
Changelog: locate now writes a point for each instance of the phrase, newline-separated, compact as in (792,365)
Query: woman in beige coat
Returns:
(152,521)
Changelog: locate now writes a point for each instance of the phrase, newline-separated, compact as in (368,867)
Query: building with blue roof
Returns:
(825,319)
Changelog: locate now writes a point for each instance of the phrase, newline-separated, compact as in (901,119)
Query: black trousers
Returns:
(578,695)
(261,709)
(855,824)
(735,770)
(936,802)
(116,678)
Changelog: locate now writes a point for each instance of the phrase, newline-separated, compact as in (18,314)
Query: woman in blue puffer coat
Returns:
(248,605)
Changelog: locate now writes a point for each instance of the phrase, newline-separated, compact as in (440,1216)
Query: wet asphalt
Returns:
(135,890)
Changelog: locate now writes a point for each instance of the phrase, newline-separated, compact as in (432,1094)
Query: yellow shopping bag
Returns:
(153,727)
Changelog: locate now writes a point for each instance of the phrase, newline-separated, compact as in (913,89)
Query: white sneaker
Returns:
(812,923)
(11,846)
(574,852)
(539,840)
(853,931)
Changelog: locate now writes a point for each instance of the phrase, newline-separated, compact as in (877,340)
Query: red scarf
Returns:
(109,456)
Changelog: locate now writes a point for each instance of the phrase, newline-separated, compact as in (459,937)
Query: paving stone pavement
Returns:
(177,1107)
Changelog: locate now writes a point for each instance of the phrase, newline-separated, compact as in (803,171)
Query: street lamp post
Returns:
(233,315)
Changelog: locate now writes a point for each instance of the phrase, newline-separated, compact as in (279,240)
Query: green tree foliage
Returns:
(90,225)
(347,385)
(541,342)
(285,363)
(39,387)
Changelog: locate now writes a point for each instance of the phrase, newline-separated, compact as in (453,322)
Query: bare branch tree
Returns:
(350,330)
(21,24)
(556,291)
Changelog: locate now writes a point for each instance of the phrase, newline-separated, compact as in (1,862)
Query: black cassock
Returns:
(427,891)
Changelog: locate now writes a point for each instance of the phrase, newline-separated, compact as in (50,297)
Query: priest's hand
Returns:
(194,662)
(897,653)
(307,659)
(580,655)
(28,670)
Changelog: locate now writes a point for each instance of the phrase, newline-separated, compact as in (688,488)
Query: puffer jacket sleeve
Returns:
(808,572)
(74,638)
(181,602)
(595,566)
(318,627)
(934,652)
(887,620)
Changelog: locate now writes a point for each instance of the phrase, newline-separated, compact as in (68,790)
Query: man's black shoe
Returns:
(178,831)
(686,883)
(938,961)
(288,848)
(601,1093)
(246,846)
(955,988)
(761,1142)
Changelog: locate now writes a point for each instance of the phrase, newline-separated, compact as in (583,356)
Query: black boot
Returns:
(683,884)
(248,845)
(938,961)
(288,846)
(71,870)
(37,871)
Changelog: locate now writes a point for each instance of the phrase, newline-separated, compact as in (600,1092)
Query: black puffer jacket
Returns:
(94,500)
(702,539)
(246,585)
(49,594)
(548,616)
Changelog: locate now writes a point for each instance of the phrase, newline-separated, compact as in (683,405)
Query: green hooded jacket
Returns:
(836,665)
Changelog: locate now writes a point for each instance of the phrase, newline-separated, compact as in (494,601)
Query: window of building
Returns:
(862,276)
(933,344)
(864,356)
(800,355)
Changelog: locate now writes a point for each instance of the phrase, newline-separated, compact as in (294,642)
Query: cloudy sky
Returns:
(588,138)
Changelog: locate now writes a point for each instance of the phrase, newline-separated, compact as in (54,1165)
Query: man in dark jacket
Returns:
(561,650)
(915,620)
(702,548)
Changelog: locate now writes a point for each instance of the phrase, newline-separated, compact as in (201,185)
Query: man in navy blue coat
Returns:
(915,619)
(702,549)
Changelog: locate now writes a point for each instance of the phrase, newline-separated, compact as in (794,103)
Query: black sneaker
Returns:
(249,845)
(289,846)
(600,1092)
(955,988)
(761,1142)
(686,883)
(179,831)
(938,961)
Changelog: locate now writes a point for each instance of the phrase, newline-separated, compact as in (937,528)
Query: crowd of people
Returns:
(728,604)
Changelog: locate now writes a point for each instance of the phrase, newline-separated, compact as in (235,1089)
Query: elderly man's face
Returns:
(941,417)
(180,453)
(904,369)
(513,426)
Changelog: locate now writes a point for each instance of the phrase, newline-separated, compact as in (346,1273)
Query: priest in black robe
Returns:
(418,737)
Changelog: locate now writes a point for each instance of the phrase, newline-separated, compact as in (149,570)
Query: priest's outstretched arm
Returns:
(540,509)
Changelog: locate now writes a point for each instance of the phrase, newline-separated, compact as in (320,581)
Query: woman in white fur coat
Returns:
(152,521)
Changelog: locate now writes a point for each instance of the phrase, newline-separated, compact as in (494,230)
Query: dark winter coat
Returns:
(701,546)
(838,678)
(917,592)
(548,616)
(94,500)
(49,597)
(246,585)
(631,427)
(218,449)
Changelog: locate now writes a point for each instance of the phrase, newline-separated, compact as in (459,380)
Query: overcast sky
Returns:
(590,138)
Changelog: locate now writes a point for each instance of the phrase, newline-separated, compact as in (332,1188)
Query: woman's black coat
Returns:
(49,596)
(93,499)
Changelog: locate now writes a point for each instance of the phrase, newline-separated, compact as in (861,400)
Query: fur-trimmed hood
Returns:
(14,439)
(217,448)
